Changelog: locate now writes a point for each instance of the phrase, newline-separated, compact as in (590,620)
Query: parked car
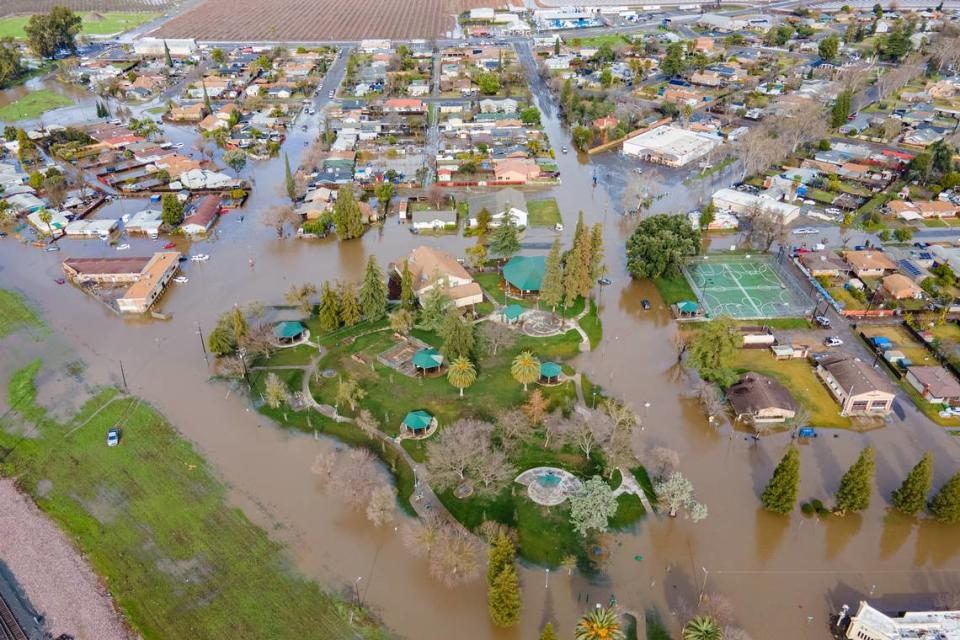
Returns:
(805,231)
(563,150)
(604,282)
(200,257)
(833,341)
(645,304)
(170,245)
(123,247)
(113,437)
(834,211)
(52,247)
(822,321)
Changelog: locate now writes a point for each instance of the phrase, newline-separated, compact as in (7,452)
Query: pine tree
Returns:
(329,311)
(597,267)
(505,240)
(501,554)
(503,598)
(911,497)
(166,55)
(945,506)
(434,309)
(551,291)
(576,274)
(346,215)
(781,493)
(457,334)
(857,484)
(349,305)
(408,299)
(206,99)
(288,178)
(548,633)
(373,291)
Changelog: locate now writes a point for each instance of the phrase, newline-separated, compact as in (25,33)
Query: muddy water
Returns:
(778,571)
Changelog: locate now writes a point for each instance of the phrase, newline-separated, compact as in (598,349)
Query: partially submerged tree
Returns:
(856,486)
(911,497)
(781,493)
(675,492)
(592,506)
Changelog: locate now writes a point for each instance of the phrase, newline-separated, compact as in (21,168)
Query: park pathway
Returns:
(629,484)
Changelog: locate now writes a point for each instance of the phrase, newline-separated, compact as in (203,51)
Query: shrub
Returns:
(807,509)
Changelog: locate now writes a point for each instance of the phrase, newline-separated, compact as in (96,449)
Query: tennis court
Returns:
(745,287)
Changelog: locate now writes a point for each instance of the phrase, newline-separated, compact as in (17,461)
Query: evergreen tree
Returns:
(551,291)
(501,554)
(505,240)
(408,299)
(945,506)
(576,273)
(166,55)
(206,101)
(457,335)
(503,598)
(548,633)
(434,309)
(911,497)
(349,305)
(329,311)
(171,210)
(597,266)
(346,215)
(857,483)
(840,110)
(288,178)
(373,291)
(781,493)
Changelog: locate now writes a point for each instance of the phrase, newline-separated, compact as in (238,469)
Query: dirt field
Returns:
(10,7)
(318,20)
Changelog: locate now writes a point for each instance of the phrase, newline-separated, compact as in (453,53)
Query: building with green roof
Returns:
(550,372)
(525,273)
(288,331)
(512,313)
(419,422)
(428,359)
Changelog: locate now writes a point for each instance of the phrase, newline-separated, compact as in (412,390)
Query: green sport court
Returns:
(745,287)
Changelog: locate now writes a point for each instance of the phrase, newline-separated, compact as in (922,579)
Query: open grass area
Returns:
(706,173)
(33,105)
(674,289)
(799,378)
(154,522)
(590,323)
(15,314)
(543,213)
(902,341)
(94,24)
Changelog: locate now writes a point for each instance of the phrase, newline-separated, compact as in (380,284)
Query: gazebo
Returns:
(512,313)
(419,423)
(525,273)
(427,360)
(550,373)
(288,331)
(688,308)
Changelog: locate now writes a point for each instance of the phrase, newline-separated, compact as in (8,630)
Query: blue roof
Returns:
(288,329)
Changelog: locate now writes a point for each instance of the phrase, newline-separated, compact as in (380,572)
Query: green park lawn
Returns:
(94,24)
(543,213)
(674,289)
(33,105)
(15,314)
(799,378)
(154,521)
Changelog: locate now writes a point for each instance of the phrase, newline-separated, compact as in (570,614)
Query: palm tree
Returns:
(461,373)
(599,624)
(702,628)
(45,217)
(525,368)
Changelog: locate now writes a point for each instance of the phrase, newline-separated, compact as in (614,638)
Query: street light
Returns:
(546,584)
(703,588)
(356,589)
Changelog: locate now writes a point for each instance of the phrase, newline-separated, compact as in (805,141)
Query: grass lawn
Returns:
(107,23)
(673,289)
(706,173)
(32,105)
(15,314)
(947,333)
(153,520)
(820,195)
(298,355)
(543,213)
(841,295)
(489,281)
(590,323)
(902,341)
(779,323)
(798,377)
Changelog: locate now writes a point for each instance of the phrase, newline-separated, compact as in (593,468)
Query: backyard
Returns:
(180,562)
(674,289)
(543,213)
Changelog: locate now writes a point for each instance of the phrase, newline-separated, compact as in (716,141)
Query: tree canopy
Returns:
(49,33)
(659,245)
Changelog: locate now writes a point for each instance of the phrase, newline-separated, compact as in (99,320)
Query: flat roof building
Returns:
(741,202)
(669,145)
(870,624)
(152,281)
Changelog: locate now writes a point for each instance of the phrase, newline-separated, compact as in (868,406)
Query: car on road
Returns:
(822,321)
(178,145)
(810,202)
(3,234)
(921,245)
(123,247)
(200,257)
(564,150)
(645,304)
(52,248)
(805,231)
(832,341)
(181,279)
(603,282)
(170,245)
(834,211)
(330,94)
(113,436)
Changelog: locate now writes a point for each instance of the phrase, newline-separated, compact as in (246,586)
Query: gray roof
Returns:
(854,375)
(755,392)
(498,201)
(446,216)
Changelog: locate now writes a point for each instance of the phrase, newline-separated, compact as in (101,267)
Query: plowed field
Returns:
(10,7)
(318,20)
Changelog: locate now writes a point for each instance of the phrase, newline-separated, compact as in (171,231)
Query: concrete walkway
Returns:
(629,484)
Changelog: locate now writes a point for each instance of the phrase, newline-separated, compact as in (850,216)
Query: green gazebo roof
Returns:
(525,272)
(427,359)
(288,329)
(688,306)
(550,370)
(417,420)
(512,311)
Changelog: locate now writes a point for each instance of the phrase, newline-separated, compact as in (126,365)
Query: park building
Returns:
(870,624)
(670,146)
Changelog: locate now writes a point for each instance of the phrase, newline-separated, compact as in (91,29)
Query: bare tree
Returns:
(587,432)
(761,227)
(618,451)
(492,471)
(623,416)
(854,77)
(257,342)
(358,480)
(381,507)
(436,196)
(495,336)
(279,216)
(367,424)
(554,425)
(420,536)
(806,121)
(663,461)
(231,368)
(456,557)
(302,296)
(679,341)
(899,75)
(710,399)
(758,148)
(515,427)
(455,450)
(946,48)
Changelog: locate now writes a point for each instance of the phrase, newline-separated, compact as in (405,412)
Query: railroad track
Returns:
(10,629)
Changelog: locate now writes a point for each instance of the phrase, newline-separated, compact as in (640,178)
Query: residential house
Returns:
(404,106)
(923,209)
(869,263)
(501,205)
(745,203)
(935,384)
(823,263)
(870,624)
(203,217)
(760,399)
(188,112)
(900,287)
(434,219)
(520,170)
(153,279)
(858,388)
(431,268)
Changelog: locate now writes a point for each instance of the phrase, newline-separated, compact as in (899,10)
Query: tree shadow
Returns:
(654,626)
(897,527)
(827,465)
(839,532)
(936,544)
(761,467)
(770,531)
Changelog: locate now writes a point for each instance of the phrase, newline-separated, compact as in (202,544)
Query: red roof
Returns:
(205,213)
(900,155)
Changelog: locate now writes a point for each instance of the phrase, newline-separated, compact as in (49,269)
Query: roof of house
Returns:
(107,265)
(938,381)
(498,201)
(424,261)
(525,272)
(205,213)
(755,392)
(156,267)
(899,285)
(853,374)
(821,260)
(869,259)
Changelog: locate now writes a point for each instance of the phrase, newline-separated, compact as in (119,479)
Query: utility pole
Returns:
(123,376)
(203,344)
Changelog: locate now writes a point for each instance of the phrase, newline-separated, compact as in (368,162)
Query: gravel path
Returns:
(57,580)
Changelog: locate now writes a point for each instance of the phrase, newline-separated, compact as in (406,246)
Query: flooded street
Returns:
(784,575)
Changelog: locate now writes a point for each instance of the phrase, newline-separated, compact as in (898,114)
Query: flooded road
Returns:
(784,575)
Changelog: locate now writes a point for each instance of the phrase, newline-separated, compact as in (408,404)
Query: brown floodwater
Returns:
(784,575)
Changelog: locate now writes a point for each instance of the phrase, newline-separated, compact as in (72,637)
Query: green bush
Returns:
(807,509)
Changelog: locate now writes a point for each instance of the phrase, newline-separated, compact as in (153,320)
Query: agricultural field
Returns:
(322,20)
(14,7)
(94,24)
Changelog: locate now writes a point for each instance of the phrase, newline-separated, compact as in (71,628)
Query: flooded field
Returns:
(785,576)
